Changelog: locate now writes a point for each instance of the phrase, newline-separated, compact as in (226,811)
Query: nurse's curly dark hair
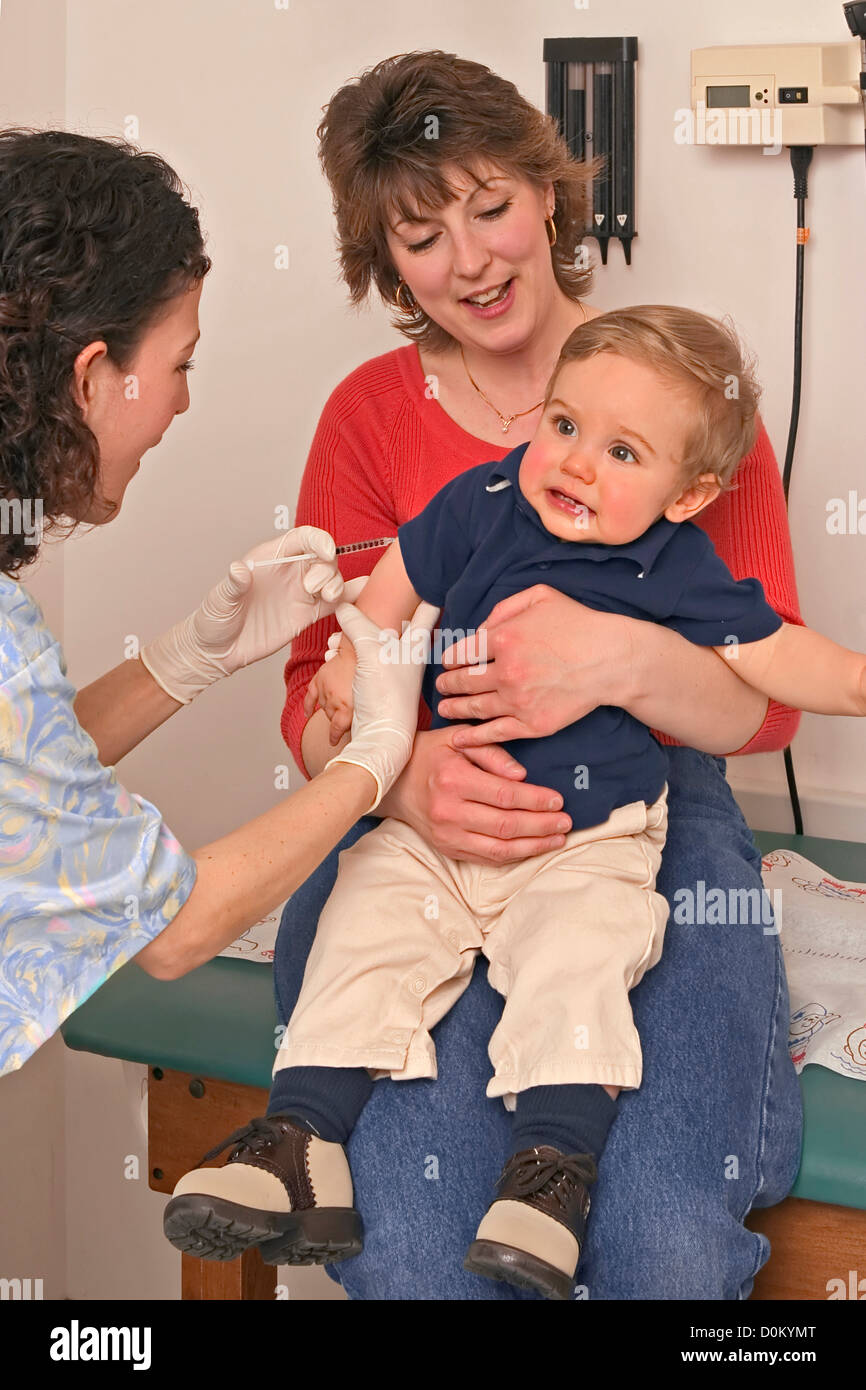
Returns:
(95,238)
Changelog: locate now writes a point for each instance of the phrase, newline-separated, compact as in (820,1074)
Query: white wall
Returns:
(230,91)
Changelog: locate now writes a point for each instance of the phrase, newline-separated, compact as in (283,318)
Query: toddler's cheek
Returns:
(535,465)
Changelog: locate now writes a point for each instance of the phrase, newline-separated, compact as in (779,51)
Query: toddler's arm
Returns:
(802,669)
(387,599)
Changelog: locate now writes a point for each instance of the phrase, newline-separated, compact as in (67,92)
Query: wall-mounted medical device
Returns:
(780,94)
(590,93)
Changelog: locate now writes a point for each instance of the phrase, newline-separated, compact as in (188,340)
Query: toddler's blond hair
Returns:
(697,351)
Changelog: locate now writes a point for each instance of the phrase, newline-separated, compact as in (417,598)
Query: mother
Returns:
(100,278)
(447,186)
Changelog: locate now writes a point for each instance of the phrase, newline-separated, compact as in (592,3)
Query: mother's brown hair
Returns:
(95,239)
(380,150)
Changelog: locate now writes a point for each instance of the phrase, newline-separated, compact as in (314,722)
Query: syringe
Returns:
(341,550)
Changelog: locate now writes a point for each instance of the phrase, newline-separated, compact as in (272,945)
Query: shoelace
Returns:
(259,1131)
(550,1176)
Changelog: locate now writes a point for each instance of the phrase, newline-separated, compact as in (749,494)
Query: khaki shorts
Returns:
(567,934)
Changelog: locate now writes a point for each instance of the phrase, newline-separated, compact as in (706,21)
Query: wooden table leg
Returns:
(818,1251)
(187,1116)
(246,1277)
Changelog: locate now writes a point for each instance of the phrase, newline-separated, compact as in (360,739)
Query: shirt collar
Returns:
(644,550)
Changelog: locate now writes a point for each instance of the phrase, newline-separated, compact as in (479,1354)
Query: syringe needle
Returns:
(310,555)
(283,560)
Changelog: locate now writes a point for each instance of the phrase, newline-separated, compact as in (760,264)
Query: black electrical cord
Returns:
(801,156)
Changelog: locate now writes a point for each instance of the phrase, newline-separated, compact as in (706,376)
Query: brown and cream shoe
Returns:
(532,1233)
(281,1189)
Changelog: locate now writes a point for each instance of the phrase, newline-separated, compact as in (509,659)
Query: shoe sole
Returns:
(211,1228)
(518,1267)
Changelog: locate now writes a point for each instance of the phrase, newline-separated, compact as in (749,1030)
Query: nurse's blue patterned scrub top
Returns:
(89,873)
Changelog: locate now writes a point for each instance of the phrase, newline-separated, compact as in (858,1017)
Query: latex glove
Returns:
(250,614)
(386,697)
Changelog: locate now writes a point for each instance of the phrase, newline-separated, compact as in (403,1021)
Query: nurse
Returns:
(101,274)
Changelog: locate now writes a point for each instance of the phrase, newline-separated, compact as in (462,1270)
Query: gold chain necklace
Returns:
(505,420)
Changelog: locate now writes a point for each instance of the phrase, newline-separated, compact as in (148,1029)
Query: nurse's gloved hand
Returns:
(250,614)
(386,694)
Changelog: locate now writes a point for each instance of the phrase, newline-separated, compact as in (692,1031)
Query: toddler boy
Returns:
(645,420)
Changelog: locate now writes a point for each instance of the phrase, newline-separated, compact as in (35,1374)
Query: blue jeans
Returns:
(714,1129)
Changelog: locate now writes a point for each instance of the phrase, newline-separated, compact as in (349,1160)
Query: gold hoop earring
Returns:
(549,222)
(407,308)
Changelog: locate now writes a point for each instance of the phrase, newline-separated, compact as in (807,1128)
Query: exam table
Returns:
(208,1041)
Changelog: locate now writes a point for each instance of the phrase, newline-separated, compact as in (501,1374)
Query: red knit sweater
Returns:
(384,447)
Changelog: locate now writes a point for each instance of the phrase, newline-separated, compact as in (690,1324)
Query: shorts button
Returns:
(544,565)
(419,984)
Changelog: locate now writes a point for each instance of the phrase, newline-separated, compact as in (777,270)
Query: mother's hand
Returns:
(545,661)
(253,612)
(474,804)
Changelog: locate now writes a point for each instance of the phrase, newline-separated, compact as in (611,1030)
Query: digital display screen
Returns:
(728,96)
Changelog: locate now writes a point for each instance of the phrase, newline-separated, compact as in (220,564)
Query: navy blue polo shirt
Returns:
(479,541)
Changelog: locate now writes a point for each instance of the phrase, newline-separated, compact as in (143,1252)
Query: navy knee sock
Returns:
(324,1100)
(573,1119)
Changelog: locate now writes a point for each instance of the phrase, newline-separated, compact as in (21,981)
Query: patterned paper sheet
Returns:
(823,936)
(258,943)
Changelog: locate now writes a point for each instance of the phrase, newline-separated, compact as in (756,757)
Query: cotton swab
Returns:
(341,550)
